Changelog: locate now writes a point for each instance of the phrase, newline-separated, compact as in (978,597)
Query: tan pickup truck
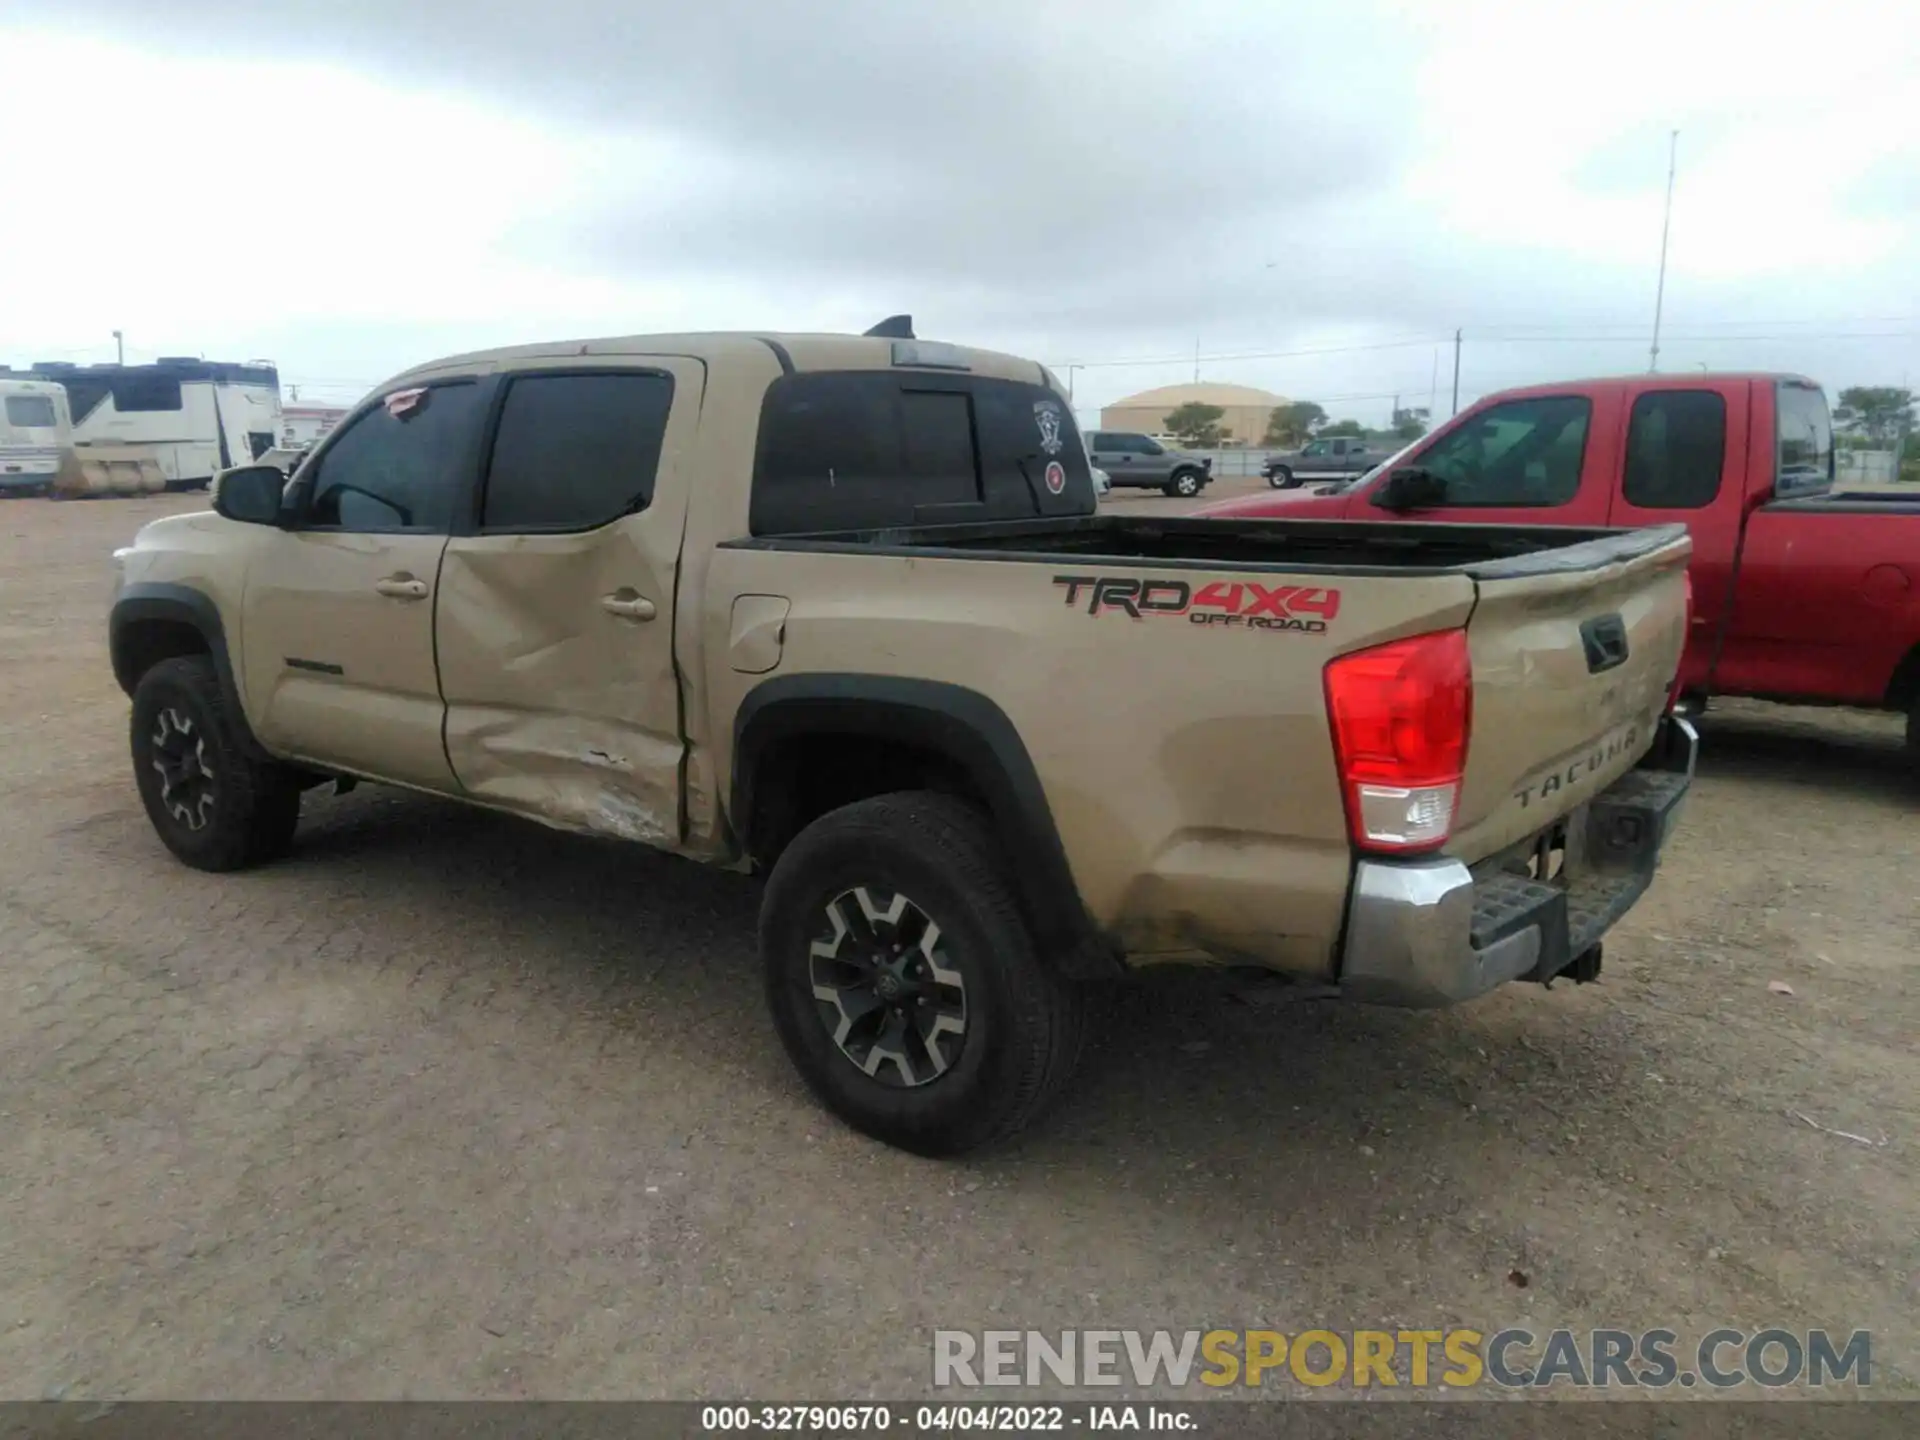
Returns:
(842,609)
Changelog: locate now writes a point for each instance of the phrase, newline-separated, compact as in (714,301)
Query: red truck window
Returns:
(1676,447)
(1517,453)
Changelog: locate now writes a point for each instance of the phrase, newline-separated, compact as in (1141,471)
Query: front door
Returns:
(338,644)
(556,613)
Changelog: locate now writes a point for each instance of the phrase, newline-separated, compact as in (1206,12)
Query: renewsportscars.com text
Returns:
(1453,1358)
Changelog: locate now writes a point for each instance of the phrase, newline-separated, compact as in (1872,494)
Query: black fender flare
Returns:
(970,731)
(148,602)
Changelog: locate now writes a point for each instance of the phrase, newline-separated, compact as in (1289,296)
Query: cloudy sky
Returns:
(1312,195)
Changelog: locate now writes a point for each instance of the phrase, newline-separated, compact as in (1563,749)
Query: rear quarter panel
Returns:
(1188,765)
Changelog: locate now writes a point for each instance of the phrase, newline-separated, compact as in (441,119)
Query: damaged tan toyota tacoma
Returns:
(843,609)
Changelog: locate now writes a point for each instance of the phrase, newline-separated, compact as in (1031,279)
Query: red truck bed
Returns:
(1800,594)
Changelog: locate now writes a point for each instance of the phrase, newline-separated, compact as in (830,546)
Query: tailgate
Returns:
(1574,653)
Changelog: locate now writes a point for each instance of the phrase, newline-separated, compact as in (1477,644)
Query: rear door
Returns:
(555,619)
(1533,460)
(1574,652)
(1137,459)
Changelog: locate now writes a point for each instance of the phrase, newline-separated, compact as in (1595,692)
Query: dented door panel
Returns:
(557,656)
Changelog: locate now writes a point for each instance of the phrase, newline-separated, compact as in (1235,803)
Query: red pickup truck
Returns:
(1800,594)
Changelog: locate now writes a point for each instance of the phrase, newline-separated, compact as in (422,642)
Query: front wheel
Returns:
(1185,484)
(904,982)
(1281,479)
(212,805)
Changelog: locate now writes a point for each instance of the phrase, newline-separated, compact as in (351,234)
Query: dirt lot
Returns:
(446,1105)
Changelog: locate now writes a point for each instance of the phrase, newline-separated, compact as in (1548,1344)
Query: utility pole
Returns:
(1666,226)
(1196,360)
(1456,372)
(119,348)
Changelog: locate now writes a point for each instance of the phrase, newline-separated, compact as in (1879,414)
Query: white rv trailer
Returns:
(36,435)
(190,417)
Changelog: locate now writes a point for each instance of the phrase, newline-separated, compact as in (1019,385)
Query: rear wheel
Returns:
(212,805)
(1185,484)
(904,982)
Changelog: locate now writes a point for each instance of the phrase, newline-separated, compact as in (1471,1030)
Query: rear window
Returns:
(31,412)
(1676,445)
(858,450)
(1806,440)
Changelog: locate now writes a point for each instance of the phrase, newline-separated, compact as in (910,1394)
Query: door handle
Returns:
(628,606)
(402,587)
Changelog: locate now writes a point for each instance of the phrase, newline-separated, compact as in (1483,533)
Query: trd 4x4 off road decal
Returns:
(1242,603)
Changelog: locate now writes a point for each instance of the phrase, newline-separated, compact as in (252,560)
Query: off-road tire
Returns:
(1185,484)
(254,804)
(1282,479)
(1024,1023)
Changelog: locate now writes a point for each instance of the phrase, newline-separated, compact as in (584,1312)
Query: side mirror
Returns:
(1412,488)
(250,494)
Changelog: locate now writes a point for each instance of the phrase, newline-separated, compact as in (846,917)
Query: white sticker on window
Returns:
(1046,415)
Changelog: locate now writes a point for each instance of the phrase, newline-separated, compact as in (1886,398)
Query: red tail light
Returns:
(1401,714)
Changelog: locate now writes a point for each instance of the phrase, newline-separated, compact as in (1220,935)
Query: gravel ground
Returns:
(448,1106)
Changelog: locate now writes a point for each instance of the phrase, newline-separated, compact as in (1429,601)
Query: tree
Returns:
(1883,412)
(1344,427)
(1409,424)
(1293,424)
(1196,424)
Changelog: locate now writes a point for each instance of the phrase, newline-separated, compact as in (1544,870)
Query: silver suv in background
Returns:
(1141,462)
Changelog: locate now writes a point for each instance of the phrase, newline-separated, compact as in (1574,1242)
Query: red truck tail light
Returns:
(1401,714)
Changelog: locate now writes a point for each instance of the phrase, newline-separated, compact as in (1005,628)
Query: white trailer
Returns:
(189,418)
(36,433)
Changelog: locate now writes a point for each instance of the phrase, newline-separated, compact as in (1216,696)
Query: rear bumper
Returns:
(16,474)
(1435,932)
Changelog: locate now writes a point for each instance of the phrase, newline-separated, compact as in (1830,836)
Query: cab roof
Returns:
(1671,379)
(792,352)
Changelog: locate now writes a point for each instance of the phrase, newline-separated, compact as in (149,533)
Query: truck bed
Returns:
(1486,552)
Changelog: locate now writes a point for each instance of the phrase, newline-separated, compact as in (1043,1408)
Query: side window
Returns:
(1523,452)
(145,392)
(1318,447)
(1676,443)
(1100,440)
(575,451)
(400,465)
(1806,439)
(864,449)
